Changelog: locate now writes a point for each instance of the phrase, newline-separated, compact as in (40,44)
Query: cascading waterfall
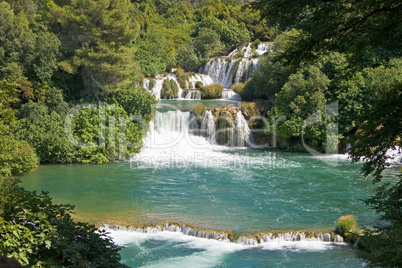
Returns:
(242,131)
(208,127)
(204,79)
(193,95)
(232,69)
(156,90)
(263,238)
(289,237)
(229,94)
(181,131)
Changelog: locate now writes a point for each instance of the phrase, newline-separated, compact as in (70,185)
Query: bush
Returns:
(152,83)
(199,109)
(346,225)
(213,91)
(256,43)
(182,77)
(199,84)
(135,101)
(239,55)
(17,157)
(44,131)
(175,88)
(238,88)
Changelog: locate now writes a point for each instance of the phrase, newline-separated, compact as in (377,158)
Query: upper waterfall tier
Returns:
(157,85)
(237,66)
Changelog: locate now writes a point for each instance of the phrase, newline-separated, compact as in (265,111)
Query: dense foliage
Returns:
(39,233)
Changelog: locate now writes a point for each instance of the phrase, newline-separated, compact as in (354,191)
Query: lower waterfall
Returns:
(193,95)
(222,236)
(180,137)
(229,94)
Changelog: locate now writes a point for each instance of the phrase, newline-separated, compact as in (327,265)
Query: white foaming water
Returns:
(171,142)
(229,94)
(208,252)
(205,79)
(242,131)
(395,156)
(222,70)
(146,84)
(208,126)
(176,140)
(193,95)
(156,90)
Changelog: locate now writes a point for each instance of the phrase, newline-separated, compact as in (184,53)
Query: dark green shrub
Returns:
(199,84)
(256,43)
(152,83)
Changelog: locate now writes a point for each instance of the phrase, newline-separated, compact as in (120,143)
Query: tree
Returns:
(354,26)
(26,48)
(301,98)
(16,157)
(207,43)
(97,39)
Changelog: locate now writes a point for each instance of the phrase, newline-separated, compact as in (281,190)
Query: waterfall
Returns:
(146,84)
(242,131)
(172,122)
(237,66)
(253,240)
(208,127)
(193,95)
(229,94)
(178,138)
(204,79)
(265,238)
(156,90)
(176,228)
(177,128)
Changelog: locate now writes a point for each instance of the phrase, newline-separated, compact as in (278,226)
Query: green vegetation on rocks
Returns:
(199,109)
(346,225)
(170,89)
(213,91)
(199,84)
